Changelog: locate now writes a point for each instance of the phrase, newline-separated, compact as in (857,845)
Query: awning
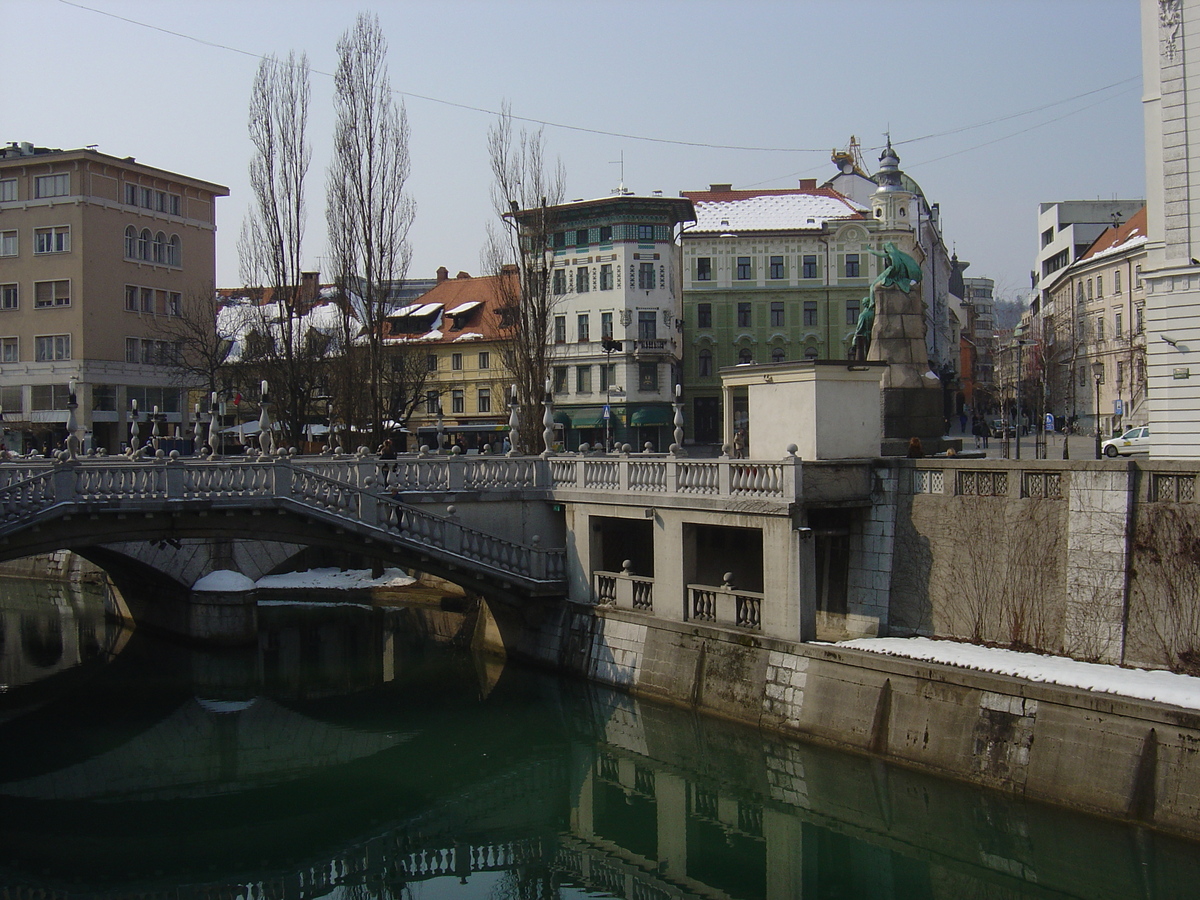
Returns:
(653,415)
(561,418)
(592,417)
(474,428)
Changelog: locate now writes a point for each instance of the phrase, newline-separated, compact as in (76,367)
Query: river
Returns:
(359,752)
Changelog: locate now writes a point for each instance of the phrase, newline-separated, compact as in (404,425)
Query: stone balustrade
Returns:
(725,605)
(624,589)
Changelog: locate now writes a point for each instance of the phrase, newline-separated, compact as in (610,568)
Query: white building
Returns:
(1067,228)
(1172,269)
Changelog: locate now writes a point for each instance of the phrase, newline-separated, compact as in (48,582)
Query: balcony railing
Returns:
(725,605)
(624,589)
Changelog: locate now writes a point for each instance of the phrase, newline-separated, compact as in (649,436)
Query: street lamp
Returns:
(1098,372)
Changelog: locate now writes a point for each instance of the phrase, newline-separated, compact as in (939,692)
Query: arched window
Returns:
(810,353)
(160,248)
(744,356)
(144,242)
(131,243)
(174,252)
(704,363)
(777,355)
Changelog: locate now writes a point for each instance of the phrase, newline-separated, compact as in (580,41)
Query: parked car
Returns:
(1135,440)
(1000,428)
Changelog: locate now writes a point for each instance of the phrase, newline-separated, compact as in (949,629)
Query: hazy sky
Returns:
(993,106)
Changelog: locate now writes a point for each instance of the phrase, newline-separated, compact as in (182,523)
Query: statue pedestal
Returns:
(911,395)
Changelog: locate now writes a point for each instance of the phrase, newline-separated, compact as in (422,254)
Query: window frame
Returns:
(745,314)
(778,269)
(56,179)
(808,267)
(583,328)
(810,314)
(745,268)
(7,196)
(704,268)
(49,239)
(606,277)
(55,301)
(704,315)
(853,265)
(57,341)
(583,280)
(483,400)
(12,289)
(7,342)
(16,242)
(583,379)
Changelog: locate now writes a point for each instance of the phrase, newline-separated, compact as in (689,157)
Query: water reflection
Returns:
(358,752)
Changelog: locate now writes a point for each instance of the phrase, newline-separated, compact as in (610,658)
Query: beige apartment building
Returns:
(96,252)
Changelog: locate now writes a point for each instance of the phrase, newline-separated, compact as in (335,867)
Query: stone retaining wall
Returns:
(1098,753)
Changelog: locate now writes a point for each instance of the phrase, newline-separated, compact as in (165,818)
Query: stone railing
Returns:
(659,476)
(725,605)
(159,484)
(624,589)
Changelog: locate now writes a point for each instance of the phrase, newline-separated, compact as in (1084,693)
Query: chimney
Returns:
(442,274)
(808,184)
(720,188)
(309,286)
(462,275)
(508,269)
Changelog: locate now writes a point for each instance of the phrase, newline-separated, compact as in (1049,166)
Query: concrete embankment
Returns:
(1129,759)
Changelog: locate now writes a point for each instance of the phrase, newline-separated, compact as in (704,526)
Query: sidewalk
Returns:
(1080,446)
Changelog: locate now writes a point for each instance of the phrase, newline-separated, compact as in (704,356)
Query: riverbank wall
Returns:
(1128,759)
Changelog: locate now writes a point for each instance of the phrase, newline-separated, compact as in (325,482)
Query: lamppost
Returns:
(214,425)
(72,424)
(609,346)
(548,421)
(1098,372)
(513,423)
(441,428)
(265,442)
(678,419)
(133,428)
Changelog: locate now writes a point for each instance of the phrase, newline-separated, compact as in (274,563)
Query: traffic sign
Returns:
(607,414)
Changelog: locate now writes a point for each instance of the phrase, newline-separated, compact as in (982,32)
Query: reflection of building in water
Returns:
(48,626)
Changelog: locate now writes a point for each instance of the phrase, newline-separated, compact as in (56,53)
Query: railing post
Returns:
(65,483)
(456,472)
(624,464)
(543,474)
(793,476)
(537,561)
(672,476)
(452,536)
(724,478)
(175,479)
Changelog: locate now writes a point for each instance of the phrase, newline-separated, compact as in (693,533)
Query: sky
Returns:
(993,105)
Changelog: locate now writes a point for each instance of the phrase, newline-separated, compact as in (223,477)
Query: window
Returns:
(582,328)
(49,396)
(851,265)
(174,251)
(131,298)
(1079,294)
(1047,237)
(457,401)
(606,325)
(704,363)
(132,350)
(583,379)
(581,237)
(9,351)
(810,312)
(560,329)
(131,242)
(777,355)
(431,403)
(9,296)
(144,244)
(743,268)
(704,315)
(743,315)
(704,268)
(558,281)
(582,281)
(647,325)
(147,299)
(851,312)
(606,277)
(1120,373)
(1141,319)
(483,401)
(174,304)
(777,313)
(810,267)
(1100,327)
(147,198)
(431,362)
(776,266)
(811,352)
(559,240)
(1083,376)
(1099,285)
(485,359)
(648,376)
(744,356)
(645,232)
(8,243)
(51,293)
(174,204)
(104,397)
(456,362)
(1089,289)
(560,379)
(608,374)
(8,189)
(1118,326)
(52,240)
(52,185)
(1116,281)
(49,347)
(131,195)
(646,276)
(1137,279)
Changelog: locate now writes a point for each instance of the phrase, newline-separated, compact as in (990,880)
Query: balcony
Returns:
(653,348)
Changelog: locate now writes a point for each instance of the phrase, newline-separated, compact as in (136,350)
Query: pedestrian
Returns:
(980,431)
(915,450)
(962,421)
(739,446)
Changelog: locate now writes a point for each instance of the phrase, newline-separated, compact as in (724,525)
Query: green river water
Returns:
(358,754)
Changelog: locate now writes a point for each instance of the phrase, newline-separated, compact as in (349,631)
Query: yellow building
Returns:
(94,251)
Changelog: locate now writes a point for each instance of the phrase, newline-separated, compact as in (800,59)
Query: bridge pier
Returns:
(222,609)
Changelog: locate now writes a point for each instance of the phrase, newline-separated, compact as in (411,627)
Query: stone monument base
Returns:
(912,412)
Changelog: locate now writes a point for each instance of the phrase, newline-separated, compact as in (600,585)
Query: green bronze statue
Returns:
(901,272)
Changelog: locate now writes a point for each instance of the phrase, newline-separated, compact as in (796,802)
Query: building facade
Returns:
(1066,229)
(94,251)
(614,267)
(1172,268)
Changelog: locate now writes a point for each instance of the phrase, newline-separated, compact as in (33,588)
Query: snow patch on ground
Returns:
(224,580)
(1141,684)
(336,579)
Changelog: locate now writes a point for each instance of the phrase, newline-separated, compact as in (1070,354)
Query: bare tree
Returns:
(369,214)
(200,342)
(525,190)
(272,237)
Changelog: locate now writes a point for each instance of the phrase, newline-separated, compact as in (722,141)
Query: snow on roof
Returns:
(469,336)
(1141,684)
(798,210)
(419,309)
(463,308)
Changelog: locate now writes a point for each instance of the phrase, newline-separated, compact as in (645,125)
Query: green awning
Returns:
(653,415)
(561,418)
(593,417)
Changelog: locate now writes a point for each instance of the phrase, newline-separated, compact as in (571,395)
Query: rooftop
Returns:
(784,209)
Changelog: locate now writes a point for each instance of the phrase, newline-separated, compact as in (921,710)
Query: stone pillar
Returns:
(911,395)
